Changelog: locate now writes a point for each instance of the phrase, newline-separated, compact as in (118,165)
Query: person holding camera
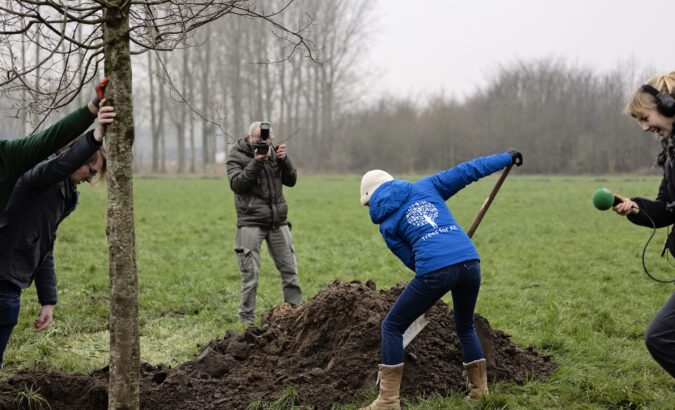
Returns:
(653,106)
(20,155)
(257,171)
(42,198)
(420,230)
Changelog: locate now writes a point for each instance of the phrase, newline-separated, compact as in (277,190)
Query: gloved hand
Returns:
(100,92)
(516,156)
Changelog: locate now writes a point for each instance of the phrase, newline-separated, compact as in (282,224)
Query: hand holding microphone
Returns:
(625,206)
(603,199)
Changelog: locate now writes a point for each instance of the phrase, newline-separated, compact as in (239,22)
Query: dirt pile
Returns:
(327,350)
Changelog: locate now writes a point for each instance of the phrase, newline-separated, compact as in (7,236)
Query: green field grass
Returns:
(556,273)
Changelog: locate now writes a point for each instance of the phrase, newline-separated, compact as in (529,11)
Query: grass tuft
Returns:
(29,397)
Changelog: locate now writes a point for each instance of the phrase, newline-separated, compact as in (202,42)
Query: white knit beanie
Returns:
(370,182)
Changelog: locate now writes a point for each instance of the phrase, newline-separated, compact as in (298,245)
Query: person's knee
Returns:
(9,313)
(390,327)
(651,340)
(656,338)
(249,286)
(386,327)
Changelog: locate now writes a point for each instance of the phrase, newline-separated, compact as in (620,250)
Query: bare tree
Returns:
(112,31)
(154,127)
(208,150)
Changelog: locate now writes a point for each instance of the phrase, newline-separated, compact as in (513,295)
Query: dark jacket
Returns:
(416,223)
(20,155)
(42,198)
(658,209)
(257,185)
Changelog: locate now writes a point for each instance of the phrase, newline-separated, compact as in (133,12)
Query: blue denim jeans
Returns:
(463,280)
(10,302)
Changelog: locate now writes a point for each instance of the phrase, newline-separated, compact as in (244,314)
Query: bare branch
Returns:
(185,101)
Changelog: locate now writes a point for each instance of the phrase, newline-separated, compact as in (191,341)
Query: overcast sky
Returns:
(423,46)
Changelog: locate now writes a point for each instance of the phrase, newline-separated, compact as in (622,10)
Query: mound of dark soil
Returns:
(327,350)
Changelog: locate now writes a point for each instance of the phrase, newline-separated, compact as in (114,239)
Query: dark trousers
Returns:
(10,303)
(463,280)
(660,337)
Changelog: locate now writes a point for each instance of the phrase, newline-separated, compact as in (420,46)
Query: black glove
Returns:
(516,156)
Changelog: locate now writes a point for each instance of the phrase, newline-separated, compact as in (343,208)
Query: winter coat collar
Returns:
(388,198)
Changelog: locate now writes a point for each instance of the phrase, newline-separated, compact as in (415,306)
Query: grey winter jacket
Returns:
(257,185)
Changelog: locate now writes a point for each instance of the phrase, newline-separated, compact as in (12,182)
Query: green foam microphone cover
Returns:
(603,199)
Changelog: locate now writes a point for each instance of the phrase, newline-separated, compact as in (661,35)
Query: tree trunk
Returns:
(294,119)
(237,107)
(182,110)
(281,124)
(206,132)
(123,390)
(36,117)
(160,129)
(81,97)
(316,112)
(191,122)
(153,121)
(25,129)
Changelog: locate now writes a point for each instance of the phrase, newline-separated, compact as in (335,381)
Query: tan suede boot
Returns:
(476,378)
(390,383)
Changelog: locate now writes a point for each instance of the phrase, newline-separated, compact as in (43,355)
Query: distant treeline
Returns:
(564,118)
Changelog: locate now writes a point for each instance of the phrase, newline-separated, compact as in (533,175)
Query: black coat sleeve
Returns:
(48,173)
(243,177)
(663,192)
(656,210)
(45,281)
(289,176)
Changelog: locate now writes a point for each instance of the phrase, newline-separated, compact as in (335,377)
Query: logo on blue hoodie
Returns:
(421,213)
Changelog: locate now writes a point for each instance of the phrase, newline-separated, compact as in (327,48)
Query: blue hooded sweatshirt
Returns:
(415,221)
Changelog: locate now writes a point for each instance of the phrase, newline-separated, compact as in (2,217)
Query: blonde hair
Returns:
(641,101)
(100,176)
(101,153)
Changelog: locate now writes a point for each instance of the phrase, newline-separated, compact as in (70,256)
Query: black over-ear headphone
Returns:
(665,103)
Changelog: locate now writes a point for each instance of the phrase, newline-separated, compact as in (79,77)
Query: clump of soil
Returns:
(327,349)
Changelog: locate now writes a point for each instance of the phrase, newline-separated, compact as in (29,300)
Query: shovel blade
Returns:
(414,329)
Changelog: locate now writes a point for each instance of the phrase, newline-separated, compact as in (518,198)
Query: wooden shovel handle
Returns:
(488,201)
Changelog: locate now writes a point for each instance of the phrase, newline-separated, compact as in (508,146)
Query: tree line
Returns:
(565,118)
(192,103)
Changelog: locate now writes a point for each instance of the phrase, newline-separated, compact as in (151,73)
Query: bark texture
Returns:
(124,327)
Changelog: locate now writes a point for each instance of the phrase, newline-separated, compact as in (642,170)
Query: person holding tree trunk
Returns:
(653,106)
(420,230)
(20,155)
(42,198)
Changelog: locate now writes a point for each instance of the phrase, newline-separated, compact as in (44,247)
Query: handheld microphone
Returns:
(603,199)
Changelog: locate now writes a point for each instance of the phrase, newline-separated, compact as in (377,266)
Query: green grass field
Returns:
(556,273)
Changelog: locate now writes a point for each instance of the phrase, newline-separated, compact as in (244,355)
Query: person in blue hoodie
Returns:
(420,230)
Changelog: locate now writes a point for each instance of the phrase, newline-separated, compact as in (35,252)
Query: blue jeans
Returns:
(463,280)
(10,302)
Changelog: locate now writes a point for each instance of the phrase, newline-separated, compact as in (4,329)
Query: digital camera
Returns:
(261,147)
(264,130)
